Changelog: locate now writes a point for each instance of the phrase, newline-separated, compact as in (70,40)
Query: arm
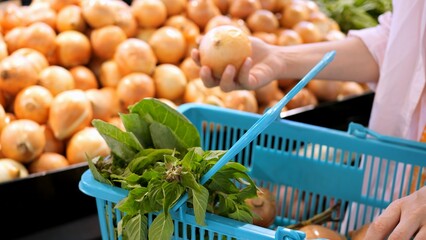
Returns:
(353,62)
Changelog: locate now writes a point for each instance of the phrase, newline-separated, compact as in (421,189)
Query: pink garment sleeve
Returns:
(375,39)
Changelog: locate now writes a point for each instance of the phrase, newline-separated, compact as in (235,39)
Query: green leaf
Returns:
(134,227)
(242,215)
(172,192)
(192,158)
(98,176)
(188,180)
(133,123)
(219,182)
(199,202)
(213,154)
(139,164)
(123,144)
(164,137)
(153,110)
(161,228)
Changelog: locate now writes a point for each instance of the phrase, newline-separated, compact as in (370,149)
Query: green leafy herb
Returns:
(157,159)
(355,14)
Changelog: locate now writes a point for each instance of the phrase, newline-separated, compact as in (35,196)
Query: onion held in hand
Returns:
(224,45)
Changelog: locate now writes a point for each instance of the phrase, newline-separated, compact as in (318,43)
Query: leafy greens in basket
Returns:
(157,159)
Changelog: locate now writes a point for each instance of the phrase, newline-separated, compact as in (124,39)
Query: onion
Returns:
(48,78)
(189,29)
(145,33)
(269,5)
(264,208)
(325,90)
(270,38)
(22,140)
(308,32)
(334,35)
(52,143)
(190,68)
(48,161)
(40,13)
(243,8)
(175,7)
(37,59)
(294,13)
(350,89)
(16,73)
(101,104)
(318,231)
(70,18)
(268,93)
(70,112)
(201,11)
(262,21)
(135,55)
(98,13)
(11,169)
(242,100)
(218,20)
(12,38)
(134,87)
(33,103)
(222,5)
(195,91)
(287,37)
(222,46)
(124,18)
(3,119)
(41,37)
(359,234)
(170,81)
(109,74)
(73,48)
(168,44)
(83,77)
(86,144)
(105,40)
(149,13)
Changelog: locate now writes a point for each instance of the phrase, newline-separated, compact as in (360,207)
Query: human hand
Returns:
(404,218)
(259,69)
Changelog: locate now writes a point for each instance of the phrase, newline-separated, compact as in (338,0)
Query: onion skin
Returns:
(264,208)
(222,46)
(318,231)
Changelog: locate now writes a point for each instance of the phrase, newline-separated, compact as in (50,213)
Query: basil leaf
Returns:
(134,227)
(199,202)
(172,192)
(241,215)
(96,174)
(164,137)
(138,164)
(123,144)
(161,228)
(153,110)
(133,123)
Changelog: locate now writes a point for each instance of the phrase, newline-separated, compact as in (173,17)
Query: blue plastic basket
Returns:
(308,168)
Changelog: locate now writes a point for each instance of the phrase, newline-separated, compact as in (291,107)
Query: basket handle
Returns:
(359,131)
(271,115)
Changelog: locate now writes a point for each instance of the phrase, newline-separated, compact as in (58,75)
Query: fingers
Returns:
(195,55)
(244,73)
(227,82)
(207,77)
(421,234)
(386,222)
(405,229)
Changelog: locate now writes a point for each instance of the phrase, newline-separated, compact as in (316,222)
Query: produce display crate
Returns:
(43,201)
(309,168)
